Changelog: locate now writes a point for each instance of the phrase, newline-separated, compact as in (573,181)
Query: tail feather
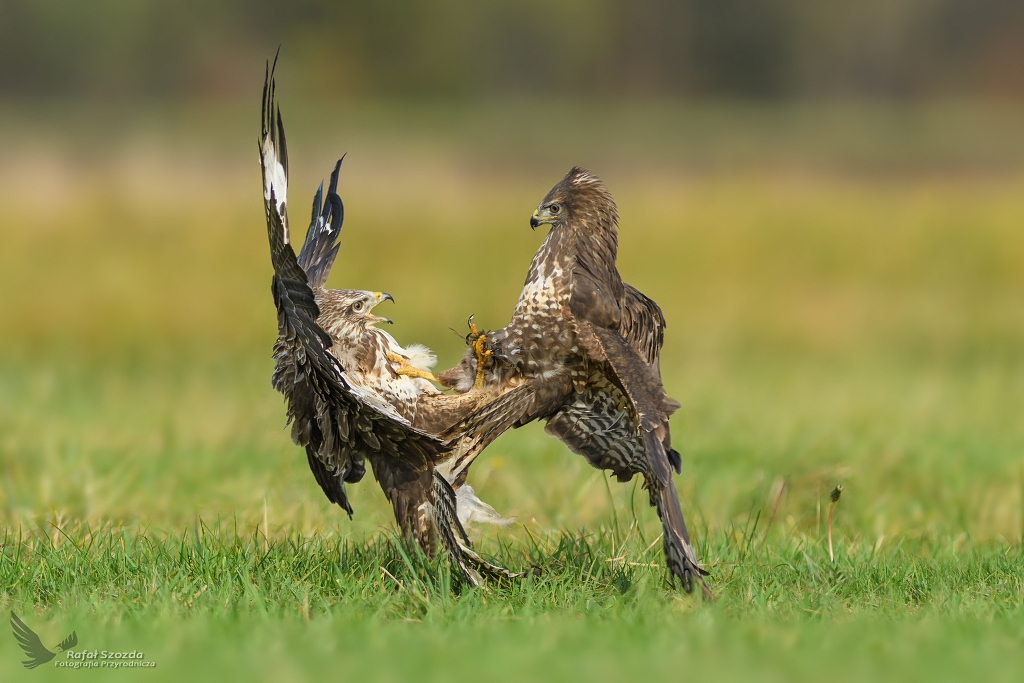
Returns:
(679,556)
(321,245)
(468,437)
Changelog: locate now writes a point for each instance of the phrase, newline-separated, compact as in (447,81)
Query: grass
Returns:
(857,322)
(596,594)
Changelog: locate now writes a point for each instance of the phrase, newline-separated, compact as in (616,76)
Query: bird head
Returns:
(552,210)
(578,192)
(356,305)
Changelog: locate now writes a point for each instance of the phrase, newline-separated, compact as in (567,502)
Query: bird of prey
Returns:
(587,345)
(354,394)
(33,646)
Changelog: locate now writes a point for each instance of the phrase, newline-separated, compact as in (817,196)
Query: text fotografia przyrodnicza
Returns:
(104,659)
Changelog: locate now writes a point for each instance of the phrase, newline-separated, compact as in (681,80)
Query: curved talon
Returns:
(473,331)
(482,354)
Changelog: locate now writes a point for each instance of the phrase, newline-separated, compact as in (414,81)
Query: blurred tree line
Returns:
(443,48)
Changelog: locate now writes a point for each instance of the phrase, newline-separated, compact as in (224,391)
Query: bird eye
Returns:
(357,306)
(554,208)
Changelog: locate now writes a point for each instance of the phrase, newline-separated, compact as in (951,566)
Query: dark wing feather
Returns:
(328,417)
(321,244)
(642,324)
(30,643)
(332,484)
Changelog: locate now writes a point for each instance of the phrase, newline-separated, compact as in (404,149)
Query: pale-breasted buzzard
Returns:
(354,394)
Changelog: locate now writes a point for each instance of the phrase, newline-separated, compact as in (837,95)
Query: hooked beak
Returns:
(382,296)
(537,219)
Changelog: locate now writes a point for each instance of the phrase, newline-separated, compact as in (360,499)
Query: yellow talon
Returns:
(407,370)
(482,354)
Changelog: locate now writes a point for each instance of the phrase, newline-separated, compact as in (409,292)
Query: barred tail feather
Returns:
(679,556)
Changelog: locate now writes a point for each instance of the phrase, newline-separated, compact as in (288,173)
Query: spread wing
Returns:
(30,643)
(338,428)
(471,435)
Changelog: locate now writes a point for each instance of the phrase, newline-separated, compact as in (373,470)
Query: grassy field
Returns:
(845,296)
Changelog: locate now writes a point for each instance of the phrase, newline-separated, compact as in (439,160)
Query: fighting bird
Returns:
(33,645)
(354,394)
(587,346)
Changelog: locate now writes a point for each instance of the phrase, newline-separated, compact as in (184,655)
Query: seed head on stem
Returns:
(836,492)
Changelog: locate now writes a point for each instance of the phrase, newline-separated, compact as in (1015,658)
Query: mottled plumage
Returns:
(349,394)
(587,347)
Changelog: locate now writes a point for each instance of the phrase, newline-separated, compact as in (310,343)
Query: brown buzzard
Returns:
(587,345)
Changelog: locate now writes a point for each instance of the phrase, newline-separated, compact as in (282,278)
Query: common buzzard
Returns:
(354,394)
(587,345)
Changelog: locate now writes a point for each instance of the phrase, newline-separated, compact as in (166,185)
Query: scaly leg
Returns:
(482,354)
(409,371)
(478,341)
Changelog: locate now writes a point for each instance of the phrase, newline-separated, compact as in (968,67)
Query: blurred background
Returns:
(607,49)
(827,199)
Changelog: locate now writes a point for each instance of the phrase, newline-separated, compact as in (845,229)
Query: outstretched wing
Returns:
(337,427)
(30,643)
(468,437)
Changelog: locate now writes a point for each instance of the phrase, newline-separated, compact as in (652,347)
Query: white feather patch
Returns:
(371,398)
(275,178)
(471,509)
(420,357)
